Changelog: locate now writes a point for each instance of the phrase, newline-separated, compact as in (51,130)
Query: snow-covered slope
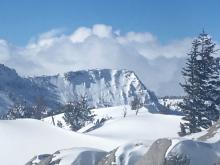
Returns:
(103,87)
(121,126)
(145,124)
(128,138)
(21,140)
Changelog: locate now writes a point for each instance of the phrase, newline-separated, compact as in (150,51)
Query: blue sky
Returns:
(39,37)
(167,19)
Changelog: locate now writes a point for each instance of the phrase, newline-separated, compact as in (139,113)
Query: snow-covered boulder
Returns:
(193,152)
(156,153)
(73,156)
(127,154)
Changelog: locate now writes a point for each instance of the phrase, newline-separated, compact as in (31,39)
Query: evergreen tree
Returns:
(190,102)
(201,74)
(209,74)
(39,109)
(77,113)
(16,111)
(59,124)
(136,104)
(23,110)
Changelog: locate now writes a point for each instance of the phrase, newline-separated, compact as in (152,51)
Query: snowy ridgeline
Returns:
(119,140)
(103,88)
(171,103)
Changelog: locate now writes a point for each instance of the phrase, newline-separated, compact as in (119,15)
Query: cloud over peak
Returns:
(99,46)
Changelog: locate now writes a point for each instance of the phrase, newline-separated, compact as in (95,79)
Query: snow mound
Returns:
(22,139)
(143,126)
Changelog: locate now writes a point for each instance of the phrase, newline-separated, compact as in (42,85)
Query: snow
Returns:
(130,153)
(119,128)
(143,126)
(198,152)
(103,87)
(37,137)
(78,155)
(201,148)
(56,118)
(23,139)
(174,142)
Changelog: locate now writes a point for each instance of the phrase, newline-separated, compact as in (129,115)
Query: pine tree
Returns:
(190,102)
(16,111)
(201,74)
(209,74)
(59,124)
(40,108)
(77,113)
(136,104)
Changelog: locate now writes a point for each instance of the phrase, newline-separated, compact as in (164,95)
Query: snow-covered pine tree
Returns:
(209,75)
(201,74)
(59,124)
(19,110)
(16,111)
(77,113)
(190,101)
(40,108)
(136,104)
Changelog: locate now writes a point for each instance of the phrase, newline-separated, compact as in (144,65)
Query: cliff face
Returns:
(103,87)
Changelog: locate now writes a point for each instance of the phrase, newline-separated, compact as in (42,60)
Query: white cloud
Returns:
(4,51)
(80,34)
(135,37)
(99,47)
(102,31)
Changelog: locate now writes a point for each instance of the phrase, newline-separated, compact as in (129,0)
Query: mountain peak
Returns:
(103,87)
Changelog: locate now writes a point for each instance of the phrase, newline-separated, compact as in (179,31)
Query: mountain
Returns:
(103,88)
(17,89)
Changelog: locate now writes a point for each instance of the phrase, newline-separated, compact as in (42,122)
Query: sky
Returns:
(150,37)
(170,19)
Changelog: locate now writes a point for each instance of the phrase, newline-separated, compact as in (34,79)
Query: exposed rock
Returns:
(44,159)
(109,159)
(127,154)
(156,154)
(211,131)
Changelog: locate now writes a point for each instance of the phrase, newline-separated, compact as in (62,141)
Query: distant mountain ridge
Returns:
(103,87)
